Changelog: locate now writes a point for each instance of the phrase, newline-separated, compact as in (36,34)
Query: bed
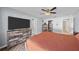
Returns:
(50,41)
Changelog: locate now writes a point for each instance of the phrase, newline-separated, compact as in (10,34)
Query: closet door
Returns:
(68,26)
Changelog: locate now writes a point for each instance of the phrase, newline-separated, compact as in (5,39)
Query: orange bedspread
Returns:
(49,41)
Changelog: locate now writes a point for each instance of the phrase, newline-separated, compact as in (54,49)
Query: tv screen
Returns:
(18,23)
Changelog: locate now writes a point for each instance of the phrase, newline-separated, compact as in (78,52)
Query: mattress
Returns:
(49,41)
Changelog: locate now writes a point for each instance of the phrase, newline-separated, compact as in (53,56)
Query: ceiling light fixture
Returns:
(47,13)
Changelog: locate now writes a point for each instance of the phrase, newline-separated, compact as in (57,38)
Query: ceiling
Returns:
(36,11)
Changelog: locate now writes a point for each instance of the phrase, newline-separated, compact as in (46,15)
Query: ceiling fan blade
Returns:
(53,12)
(43,10)
(53,9)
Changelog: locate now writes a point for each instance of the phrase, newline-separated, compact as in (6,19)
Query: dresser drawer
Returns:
(13,43)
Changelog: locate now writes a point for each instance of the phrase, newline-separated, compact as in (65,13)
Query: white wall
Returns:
(58,22)
(0,28)
(76,21)
(4,22)
(39,25)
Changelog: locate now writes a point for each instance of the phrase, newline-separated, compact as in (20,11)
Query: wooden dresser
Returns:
(17,36)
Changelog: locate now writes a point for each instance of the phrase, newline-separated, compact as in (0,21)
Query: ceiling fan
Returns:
(49,11)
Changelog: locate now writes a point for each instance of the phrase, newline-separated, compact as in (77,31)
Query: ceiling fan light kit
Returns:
(49,11)
(47,14)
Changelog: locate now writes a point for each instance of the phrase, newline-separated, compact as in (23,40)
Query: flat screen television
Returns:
(17,23)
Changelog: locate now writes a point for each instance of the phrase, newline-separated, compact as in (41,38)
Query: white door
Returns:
(68,26)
